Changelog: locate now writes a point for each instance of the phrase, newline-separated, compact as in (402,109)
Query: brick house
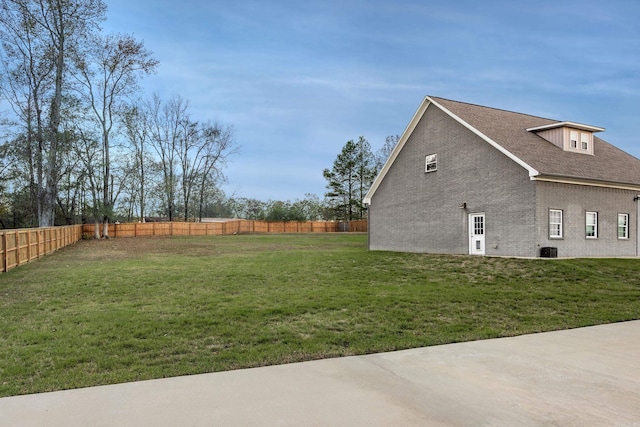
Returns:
(468,179)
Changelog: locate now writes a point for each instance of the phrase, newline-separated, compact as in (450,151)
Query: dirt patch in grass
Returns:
(124,248)
(129,248)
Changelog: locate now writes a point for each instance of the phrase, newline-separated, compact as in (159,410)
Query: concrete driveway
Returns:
(580,377)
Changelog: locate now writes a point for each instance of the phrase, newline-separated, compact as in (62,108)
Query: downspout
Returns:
(367,203)
(635,199)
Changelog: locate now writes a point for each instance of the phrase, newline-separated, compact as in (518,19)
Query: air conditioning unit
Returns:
(548,252)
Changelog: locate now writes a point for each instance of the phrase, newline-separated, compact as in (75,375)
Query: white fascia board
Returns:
(532,172)
(574,125)
(396,150)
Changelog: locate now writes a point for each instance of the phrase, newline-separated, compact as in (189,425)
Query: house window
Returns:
(478,225)
(574,140)
(592,225)
(623,226)
(431,163)
(555,224)
(584,141)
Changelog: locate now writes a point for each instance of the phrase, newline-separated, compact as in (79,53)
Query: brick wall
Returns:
(415,211)
(575,201)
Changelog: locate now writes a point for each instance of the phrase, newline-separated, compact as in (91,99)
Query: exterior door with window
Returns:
(476,234)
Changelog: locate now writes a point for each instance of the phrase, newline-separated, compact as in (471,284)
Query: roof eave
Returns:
(532,171)
(563,179)
(396,150)
(574,125)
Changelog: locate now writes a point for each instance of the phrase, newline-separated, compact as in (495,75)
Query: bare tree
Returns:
(165,123)
(137,131)
(203,149)
(71,187)
(218,145)
(87,148)
(385,151)
(189,150)
(39,38)
(108,74)
(27,82)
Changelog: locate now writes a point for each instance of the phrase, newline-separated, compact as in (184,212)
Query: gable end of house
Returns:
(428,101)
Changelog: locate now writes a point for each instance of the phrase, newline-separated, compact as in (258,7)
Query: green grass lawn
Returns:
(103,312)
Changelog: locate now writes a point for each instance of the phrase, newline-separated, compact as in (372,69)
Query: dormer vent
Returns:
(569,136)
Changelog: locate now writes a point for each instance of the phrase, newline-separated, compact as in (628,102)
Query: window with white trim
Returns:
(574,140)
(555,224)
(623,226)
(431,163)
(584,141)
(580,142)
(592,225)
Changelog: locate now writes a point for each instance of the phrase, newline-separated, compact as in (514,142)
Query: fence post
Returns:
(5,255)
(28,245)
(17,247)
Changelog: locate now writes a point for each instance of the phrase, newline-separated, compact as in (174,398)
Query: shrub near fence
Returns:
(224,228)
(20,246)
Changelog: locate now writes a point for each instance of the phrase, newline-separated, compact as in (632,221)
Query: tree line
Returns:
(79,142)
(348,181)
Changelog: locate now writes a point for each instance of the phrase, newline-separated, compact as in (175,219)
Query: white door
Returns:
(476,234)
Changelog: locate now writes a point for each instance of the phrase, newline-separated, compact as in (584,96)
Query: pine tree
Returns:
(349,180)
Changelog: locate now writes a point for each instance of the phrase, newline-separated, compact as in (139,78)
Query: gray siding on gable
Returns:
(575,201)
(555,136)
(414,211)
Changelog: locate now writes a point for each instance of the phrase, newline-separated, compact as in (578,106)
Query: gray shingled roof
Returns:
(509,130)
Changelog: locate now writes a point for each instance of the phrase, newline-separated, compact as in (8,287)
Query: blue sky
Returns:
(298,79)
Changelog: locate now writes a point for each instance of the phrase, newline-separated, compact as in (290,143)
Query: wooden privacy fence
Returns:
(240,226)
(20,246)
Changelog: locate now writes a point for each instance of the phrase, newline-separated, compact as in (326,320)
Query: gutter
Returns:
(585,181)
